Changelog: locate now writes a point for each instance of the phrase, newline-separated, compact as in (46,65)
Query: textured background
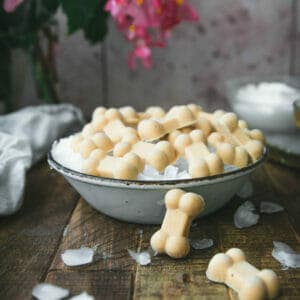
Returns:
(233,38)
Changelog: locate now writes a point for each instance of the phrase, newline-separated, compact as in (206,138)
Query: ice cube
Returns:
(285,255)
(82,296)
(246,191)
(199,244)
(142,258)
(182,164)
(48,291)
(78,257)
(244,215)
(269,207)
(170,172)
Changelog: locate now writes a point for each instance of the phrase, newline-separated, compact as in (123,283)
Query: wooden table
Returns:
(54,218)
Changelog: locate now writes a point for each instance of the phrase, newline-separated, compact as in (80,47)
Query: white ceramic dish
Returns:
(265,116)
(143,201)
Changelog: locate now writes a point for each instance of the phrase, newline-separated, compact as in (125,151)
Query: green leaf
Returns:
(96,29)
(79,12)
(19,29)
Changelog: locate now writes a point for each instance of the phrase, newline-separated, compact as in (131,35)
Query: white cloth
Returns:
(25,138)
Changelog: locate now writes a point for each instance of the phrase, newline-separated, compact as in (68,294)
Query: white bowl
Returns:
(143,201)
(265,116)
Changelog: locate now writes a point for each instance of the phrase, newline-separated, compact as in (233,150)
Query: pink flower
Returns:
(147,23)
(10,5)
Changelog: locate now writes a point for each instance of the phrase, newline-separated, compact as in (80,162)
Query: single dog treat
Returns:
(201,161)
(129,115)
(227,125)
(86,145)
(178,117)
(181,209)
(230,154)
(116,130)
(101,164)
(159,155)
(102,141)
(250,283)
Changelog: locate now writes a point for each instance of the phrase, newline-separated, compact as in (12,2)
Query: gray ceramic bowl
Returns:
(143,201)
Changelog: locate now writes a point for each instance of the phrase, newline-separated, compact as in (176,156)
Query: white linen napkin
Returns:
(25,138)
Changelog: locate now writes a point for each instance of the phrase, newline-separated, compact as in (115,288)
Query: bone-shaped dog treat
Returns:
(255,134)
(230,154)
(178,117)
(250,283)
(181,209)
(129,115)
(116,130)
(159,155)
(86,145)
(101,164)
(201,161)
(227,124)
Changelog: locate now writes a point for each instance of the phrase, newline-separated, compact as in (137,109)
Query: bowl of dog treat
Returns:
(123,162)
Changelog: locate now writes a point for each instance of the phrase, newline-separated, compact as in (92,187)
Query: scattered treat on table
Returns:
(181,209)
(286,255)
(126,144)
(244,216)
(250,283)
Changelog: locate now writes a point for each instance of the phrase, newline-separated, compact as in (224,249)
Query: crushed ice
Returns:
(286,255)
(65,230)
(47,291)
(245,216)
(63,153)
(246,191)
(142,258)
(171,172)
(82,296)
(78,257)
(199,244)
(269,207)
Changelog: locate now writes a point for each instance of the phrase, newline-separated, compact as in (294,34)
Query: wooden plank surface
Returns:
(160,280)
(31,243)
(29,239)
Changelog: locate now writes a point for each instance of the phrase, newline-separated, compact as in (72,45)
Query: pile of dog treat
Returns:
(117,143)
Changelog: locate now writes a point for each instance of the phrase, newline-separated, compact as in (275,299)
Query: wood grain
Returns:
(100,284)
(32,241)
(87,227)
(29,239)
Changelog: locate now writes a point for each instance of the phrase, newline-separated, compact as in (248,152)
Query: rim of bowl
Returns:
(152,183)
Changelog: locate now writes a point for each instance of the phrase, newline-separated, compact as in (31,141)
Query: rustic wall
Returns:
(233,38)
